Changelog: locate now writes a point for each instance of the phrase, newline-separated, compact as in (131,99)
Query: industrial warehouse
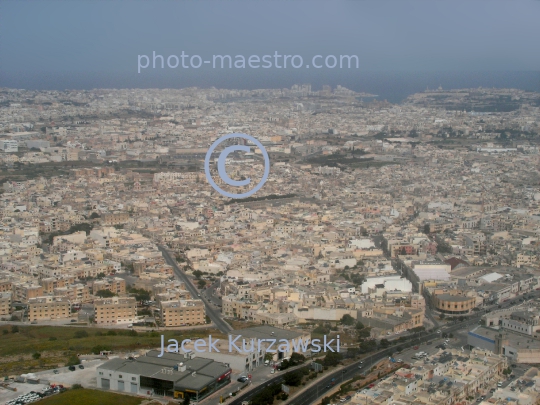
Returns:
(172,375)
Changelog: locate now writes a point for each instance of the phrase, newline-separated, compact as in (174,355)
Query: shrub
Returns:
(81,334)
(76,386)
(53,338)
(99,348)
(36,355)
(73,361)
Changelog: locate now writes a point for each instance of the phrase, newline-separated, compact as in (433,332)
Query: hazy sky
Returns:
(46,42)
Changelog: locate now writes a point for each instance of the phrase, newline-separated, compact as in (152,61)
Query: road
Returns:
(317,391)
(213,314)
(210,294)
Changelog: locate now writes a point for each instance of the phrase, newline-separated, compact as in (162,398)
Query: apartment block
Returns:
(115,310)
(183,312)
(48,308)
(115,285)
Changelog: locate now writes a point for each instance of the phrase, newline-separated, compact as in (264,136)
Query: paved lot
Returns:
(85,377)
(22,388)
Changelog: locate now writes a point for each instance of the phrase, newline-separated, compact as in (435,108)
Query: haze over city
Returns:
(257,203)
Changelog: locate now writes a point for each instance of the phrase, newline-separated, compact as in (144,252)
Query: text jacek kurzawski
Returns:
(241,345)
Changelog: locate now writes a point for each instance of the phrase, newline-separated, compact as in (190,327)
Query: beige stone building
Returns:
(25,292)
(115,310)
(183,312)
(76,293)
(115,285)
(47,308)
(5,303)
(114,219)
(49,284)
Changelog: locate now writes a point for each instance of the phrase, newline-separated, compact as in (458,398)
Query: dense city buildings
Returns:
(389,219)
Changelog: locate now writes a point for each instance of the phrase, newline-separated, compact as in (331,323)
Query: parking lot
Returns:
(22,389)
(86,377)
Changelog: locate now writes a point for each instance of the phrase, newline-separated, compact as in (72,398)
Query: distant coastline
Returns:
(393,87)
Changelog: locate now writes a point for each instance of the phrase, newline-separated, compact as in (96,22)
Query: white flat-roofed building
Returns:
(9,146)
(386,283)
(432,271)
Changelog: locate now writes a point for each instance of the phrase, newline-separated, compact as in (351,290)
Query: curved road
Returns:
(212,313)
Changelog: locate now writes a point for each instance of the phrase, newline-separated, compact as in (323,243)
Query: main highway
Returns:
(312,394)
(212,313)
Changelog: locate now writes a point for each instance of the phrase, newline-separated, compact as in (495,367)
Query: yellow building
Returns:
(46,308)
(115,310)
(454,304)
(183,312)
(115,285)
(5,303)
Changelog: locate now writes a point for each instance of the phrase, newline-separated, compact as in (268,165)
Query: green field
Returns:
(57,344)
(89,397)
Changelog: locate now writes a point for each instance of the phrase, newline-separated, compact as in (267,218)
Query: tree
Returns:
(367,346)
(347,320)
(269,356)
(297,358)
(284,365)
(197,274)
(384,343)
(140,294)
(364,333)
(105,294)
(426,229)
(441,316)
(332,359)
(359,325)
(201,284)
(293,378)
(100,348)
(14,329)
(94,215)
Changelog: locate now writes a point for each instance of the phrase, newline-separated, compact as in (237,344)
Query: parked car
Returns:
(71,368)
(55,371)
(242,379)
(81,366)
